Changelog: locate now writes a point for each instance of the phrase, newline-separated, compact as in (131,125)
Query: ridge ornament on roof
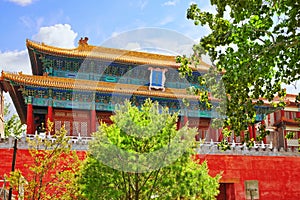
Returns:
(83,43)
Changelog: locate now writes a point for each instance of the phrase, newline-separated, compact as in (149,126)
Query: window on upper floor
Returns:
(157,78)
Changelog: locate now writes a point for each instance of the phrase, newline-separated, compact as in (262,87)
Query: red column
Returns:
(275,118)
(93,120)
(29,122)
(242,136)
(250,132)
(265,139)
(254,131)
(298,114)
(282,115)
(178,123)
(220,135)
(285,141)
(49,115)
(185,120)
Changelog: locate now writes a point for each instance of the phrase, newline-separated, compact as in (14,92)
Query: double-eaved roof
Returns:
(14,82)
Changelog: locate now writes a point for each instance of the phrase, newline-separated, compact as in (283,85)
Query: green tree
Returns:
(142,156)
(254,48)
(52,174)
(12,122)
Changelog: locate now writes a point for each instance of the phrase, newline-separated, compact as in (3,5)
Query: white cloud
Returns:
(15,61)
(170,3)
(133,46)
(22,2)
(59,35)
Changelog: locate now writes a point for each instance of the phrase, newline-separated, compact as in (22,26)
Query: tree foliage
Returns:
(254,48)
(142,156)
(12,122)
(52,173)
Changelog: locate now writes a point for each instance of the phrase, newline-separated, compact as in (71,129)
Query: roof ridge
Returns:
(121,55)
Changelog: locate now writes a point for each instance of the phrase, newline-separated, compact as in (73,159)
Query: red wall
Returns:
(278,177)
(23,157)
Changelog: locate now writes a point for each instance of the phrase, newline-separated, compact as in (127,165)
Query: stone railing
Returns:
(201,147)
(78,142)
(258,149)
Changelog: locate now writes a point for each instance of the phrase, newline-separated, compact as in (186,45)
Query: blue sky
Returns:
(62,23)
(96,19)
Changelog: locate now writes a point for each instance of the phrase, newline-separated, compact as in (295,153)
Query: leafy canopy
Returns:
(142,156)
(52,173)
(254,48)
(12,122)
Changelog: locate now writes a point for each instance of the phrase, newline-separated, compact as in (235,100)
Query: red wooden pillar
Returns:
(50,115)
(298,117)
(275,118)
(29,120)
(285,140)
(265,139)
(282,114)
(250,132)
(178,123)
(242,136)
(220,135)
(185,120)
(93,120)
(298,114)
(254,131)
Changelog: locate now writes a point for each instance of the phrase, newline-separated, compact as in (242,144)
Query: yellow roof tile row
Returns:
(88,85)
(111,54)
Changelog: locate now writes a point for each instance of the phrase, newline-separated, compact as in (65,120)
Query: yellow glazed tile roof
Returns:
(88,85)
(111,54)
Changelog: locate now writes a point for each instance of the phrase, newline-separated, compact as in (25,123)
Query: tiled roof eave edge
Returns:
(85,85)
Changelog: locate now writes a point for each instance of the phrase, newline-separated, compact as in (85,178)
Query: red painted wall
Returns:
(278,177)
(23,157)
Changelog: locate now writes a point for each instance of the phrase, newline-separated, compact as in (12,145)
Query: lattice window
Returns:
(60,64)
(59,113)
(67,127)
(99,69)
(82,115)
(58,94)
(57,124)
(68,95)
(68,65)
(76,66)
(76,129)
(97,125)
(31,92)
(41,93)
(92,67)
(84,129)
(76,96)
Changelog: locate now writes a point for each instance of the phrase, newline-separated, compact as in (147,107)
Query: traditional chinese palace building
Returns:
(81,87)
